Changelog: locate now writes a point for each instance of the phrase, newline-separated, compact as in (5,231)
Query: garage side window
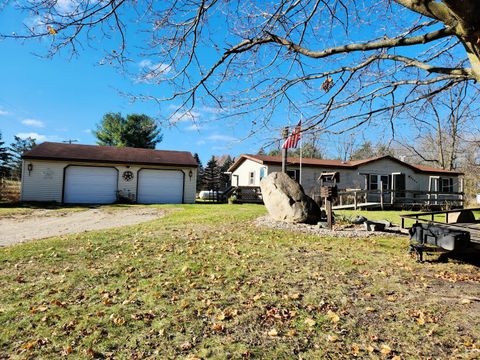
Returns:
(251,178)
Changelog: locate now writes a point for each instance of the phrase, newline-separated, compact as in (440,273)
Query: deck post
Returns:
(284,150)
(355,201)
(381,195)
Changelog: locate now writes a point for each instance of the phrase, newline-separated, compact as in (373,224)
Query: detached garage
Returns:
(88,174)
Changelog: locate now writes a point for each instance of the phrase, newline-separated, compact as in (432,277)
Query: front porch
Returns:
(398,199)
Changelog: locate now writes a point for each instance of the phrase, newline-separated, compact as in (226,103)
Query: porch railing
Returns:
(390,197)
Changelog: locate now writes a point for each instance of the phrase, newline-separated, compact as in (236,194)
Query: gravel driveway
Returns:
(41,224)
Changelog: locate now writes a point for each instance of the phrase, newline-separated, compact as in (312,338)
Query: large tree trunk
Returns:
(465,18)
(473,52)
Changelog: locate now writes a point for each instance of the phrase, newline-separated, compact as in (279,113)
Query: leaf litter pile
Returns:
(205,282)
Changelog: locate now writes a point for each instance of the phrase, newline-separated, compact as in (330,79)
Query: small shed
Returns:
(89,174)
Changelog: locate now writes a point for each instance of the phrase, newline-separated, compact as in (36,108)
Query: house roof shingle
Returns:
(109,154)
(353,164)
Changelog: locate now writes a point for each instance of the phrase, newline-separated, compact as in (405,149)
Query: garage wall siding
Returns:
(45,182)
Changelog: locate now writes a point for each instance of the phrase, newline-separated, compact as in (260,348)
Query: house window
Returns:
(376,180)
(373,182)
(251,178)
(294,174)
(384,180)
(262,173)
(446,185)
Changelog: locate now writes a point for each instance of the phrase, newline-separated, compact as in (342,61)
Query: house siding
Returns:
(240,177)
(45,181)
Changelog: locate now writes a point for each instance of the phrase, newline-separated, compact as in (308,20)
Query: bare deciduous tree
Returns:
(338,63)
(445,140)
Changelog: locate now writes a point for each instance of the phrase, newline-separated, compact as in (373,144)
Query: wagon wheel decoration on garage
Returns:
(127,175)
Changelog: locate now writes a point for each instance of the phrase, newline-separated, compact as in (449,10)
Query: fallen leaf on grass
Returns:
(334,318)
(117,320)
(310,322)
(186,346)
(67,350)
(291,333)
(218,327)
(41,308)
(332,338)
(355,349)
(369,309)
(295,296)
(385,349)
(29,345)
(258,297)
(273,333)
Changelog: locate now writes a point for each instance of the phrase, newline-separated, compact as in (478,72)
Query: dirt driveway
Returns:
(41,224)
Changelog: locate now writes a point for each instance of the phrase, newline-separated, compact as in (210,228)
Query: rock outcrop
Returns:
(286,201)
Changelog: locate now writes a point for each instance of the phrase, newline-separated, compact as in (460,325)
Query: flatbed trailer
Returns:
(448,230)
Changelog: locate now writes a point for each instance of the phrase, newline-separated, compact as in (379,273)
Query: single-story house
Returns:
(383,172)
(73,173)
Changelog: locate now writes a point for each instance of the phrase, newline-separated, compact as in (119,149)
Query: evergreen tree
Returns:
(137,130)
(4,159)
(17,148)
(211,176)
(225,178)
(275,152)
(200,172)
(368,150)
(309,151)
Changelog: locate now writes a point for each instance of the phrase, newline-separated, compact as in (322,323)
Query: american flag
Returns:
(292,140)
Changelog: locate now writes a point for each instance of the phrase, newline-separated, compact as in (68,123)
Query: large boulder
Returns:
(286,201)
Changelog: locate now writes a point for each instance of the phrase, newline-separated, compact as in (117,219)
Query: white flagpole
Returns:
(301,150)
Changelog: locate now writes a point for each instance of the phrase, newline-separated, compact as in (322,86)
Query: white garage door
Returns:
(160,186)
(90,185)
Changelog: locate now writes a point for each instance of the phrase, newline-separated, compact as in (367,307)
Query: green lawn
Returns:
(204,282)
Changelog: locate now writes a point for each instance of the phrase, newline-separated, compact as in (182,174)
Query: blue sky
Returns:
(60,99)
(64,98)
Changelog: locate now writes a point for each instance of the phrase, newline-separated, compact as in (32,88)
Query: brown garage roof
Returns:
(353,164)
(109,154)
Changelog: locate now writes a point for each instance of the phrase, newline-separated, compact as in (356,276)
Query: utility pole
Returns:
(69,141)
(284,150)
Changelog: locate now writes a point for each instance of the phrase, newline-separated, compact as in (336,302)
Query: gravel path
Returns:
(350,231)
(47,223)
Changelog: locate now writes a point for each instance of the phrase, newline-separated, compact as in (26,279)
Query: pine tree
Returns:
(211,177)
(4,158)
(137,130)
(225,178)
(200,172)
(17,148)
